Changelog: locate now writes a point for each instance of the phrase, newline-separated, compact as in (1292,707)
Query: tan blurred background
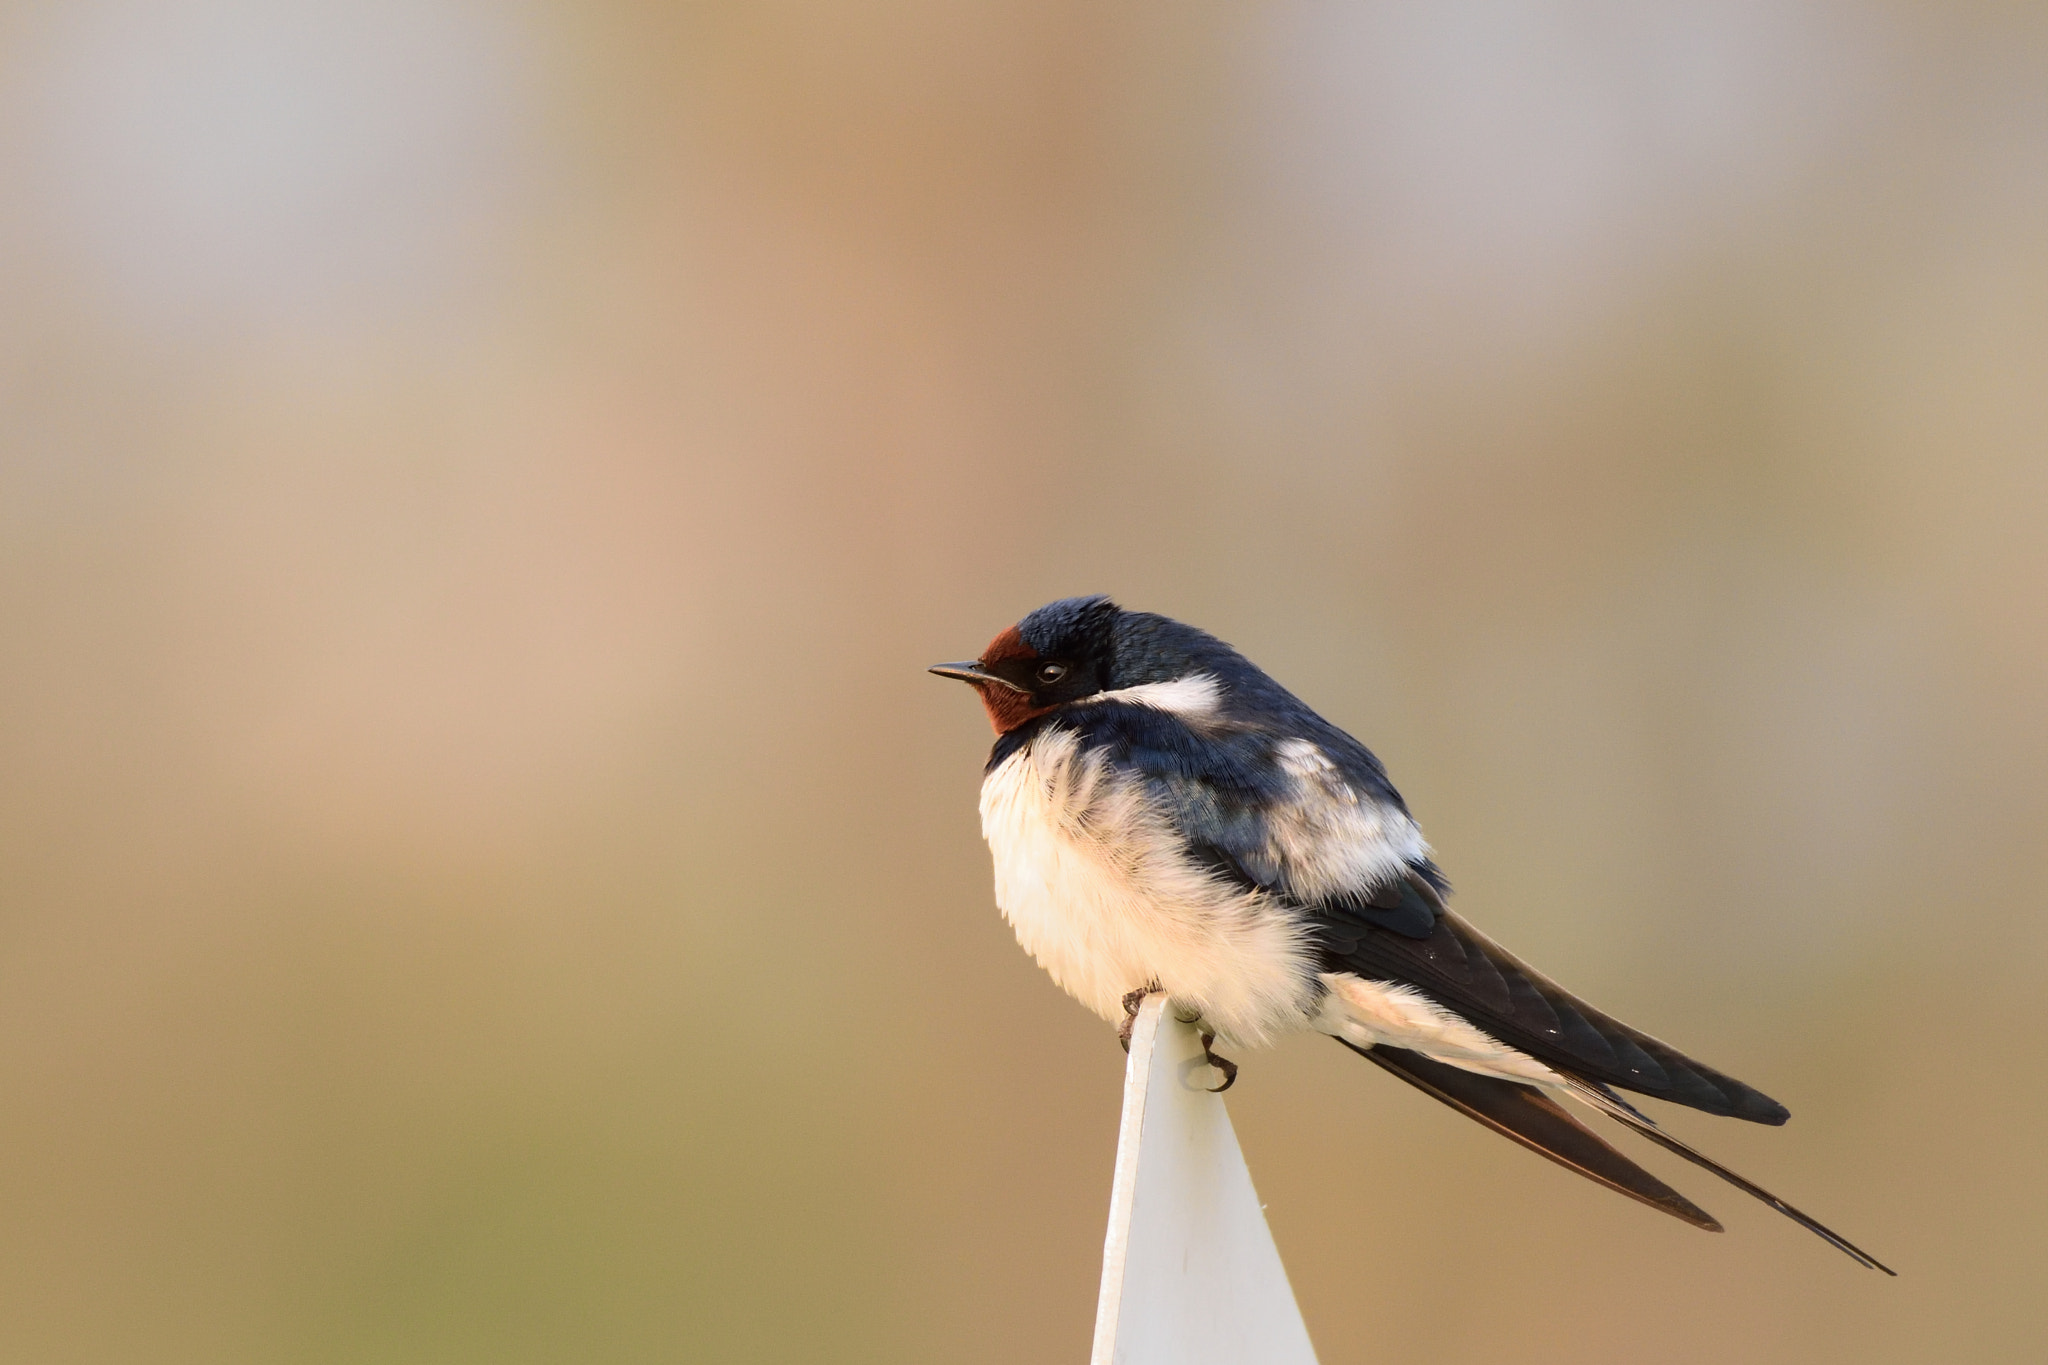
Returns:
(485,877)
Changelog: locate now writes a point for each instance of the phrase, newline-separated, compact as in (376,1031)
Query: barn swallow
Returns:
(1165,817)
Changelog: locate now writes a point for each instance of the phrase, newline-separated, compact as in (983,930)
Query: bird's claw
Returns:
(1131,1002)
(1134,999)
(1222,1064)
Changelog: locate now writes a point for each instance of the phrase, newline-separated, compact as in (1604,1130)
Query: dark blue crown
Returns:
(1073,627)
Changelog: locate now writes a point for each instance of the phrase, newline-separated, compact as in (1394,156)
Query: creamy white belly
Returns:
(1094,882)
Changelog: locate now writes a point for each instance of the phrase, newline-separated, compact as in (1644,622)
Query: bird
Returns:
(1163,816)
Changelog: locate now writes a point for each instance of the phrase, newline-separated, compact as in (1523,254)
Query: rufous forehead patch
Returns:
(1009,645)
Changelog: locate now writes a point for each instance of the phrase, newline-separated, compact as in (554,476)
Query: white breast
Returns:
(1095,884)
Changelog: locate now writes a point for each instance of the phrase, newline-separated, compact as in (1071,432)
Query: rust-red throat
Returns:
(1007,709)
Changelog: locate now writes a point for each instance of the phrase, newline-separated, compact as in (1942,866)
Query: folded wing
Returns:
(1285,816)
(1270,812)
(1471,975)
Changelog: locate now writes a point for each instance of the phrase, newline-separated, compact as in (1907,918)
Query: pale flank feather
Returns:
(1100,890)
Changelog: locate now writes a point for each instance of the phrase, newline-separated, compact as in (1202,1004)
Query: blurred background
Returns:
(484,875)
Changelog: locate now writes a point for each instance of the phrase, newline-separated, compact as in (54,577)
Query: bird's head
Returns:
(1062,652)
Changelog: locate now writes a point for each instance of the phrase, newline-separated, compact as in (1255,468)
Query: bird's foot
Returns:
(1222,1064)
(1131,1003)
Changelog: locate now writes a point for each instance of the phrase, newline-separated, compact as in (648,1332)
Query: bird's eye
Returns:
(1052,673)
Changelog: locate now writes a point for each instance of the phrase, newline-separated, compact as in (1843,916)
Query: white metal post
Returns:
(1190,1275)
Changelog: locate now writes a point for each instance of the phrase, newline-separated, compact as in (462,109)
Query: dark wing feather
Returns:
(1218,787)
(1541,1124)
(1463,970)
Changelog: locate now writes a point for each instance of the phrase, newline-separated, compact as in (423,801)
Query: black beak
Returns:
(972,672)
